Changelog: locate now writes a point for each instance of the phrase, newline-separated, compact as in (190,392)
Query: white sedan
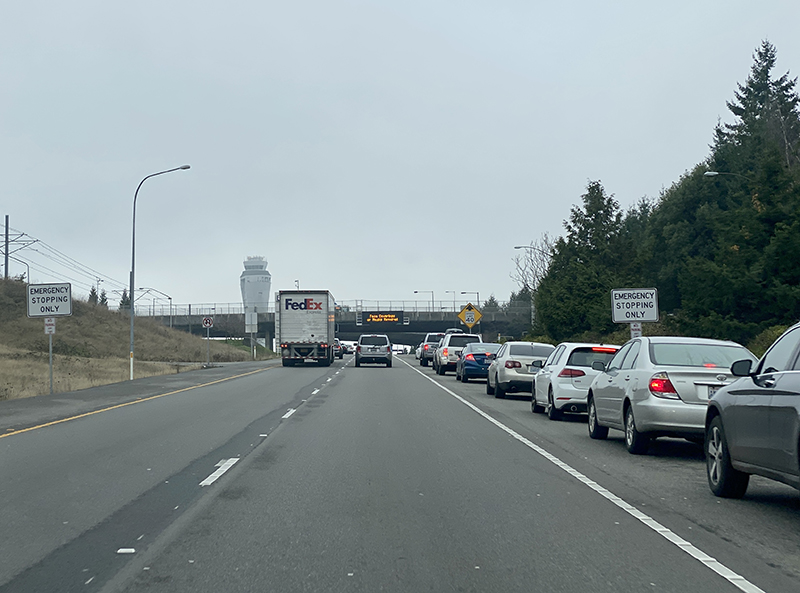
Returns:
(563,380)
(511,368)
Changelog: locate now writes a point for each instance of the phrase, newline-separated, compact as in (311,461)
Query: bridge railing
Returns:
(158,308)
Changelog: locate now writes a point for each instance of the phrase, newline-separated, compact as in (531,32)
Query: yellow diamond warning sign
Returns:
(470,315)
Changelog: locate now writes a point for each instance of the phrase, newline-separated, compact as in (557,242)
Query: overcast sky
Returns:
(371,147)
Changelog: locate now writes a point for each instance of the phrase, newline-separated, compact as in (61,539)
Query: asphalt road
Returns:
(367,479)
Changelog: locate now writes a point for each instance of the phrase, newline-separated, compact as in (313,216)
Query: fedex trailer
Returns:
(305,326)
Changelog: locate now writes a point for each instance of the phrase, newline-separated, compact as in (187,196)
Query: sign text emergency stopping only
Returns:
(631,305)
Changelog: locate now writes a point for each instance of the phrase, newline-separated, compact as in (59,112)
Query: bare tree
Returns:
(530,266)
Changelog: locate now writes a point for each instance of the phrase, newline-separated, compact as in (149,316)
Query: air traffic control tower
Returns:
(256,283)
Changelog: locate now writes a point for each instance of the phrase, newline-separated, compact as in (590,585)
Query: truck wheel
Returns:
(286,362)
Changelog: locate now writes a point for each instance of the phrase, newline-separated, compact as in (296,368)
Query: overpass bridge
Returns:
(418,319)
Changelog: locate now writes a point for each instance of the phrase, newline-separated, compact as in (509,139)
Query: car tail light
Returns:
(470,356)
(513,364)
(425,347)
(358,348)
(661,386)
(571,373)
(444,352)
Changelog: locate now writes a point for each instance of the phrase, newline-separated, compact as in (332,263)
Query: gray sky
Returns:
(371,148)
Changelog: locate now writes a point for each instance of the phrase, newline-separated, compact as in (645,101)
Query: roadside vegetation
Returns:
(91,347)
(721,245)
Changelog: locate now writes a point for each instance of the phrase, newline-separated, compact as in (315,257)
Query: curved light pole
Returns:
(476,293)
(433,305)
(715,173)
(162,294)
(133,247)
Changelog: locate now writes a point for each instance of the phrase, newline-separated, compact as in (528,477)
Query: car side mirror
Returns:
(537,364)
(599,365)
(741,368)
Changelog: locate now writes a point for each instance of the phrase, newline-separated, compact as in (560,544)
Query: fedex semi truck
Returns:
(305,326)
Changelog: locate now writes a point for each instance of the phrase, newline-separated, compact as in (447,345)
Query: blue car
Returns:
(474,361)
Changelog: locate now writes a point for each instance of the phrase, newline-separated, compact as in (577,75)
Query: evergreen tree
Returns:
(125,301)
(93,296)
(103,300)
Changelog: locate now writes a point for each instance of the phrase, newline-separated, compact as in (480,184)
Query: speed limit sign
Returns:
(208,322)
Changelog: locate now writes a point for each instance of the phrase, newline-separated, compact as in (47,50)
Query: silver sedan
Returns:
(660,386)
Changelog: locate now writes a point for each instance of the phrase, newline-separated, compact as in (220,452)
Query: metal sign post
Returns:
(208,323)
(49,301)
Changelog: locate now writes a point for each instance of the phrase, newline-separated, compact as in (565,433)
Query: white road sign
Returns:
(49,300)
(634,304)
(49,325)
(208,322)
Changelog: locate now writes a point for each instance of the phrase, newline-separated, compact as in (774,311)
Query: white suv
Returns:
(446,355)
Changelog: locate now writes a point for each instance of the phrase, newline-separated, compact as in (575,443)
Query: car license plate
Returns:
(712,389)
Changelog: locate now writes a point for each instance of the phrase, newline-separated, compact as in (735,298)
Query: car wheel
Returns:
(535,407)
(499,393)
(595,430)
(723,479)
(489,388)
(423,362)
(389,364)
(635,441)
(552,412)
(358,361)
(464,378)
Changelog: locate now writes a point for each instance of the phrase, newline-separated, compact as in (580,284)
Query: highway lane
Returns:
(74,492)
(386,481)
(380,479)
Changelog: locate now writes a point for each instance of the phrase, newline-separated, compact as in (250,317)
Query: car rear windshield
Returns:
(530,350)
(374,340)
(584,357)
(434,337)
(456,340)
(480,347)
(697,355)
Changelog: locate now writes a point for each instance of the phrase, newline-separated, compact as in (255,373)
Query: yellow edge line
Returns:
(138,401)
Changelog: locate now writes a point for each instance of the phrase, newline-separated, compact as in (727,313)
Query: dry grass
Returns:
(91,348)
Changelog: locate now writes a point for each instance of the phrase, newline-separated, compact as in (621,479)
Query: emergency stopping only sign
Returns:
(630,305)
(49,300)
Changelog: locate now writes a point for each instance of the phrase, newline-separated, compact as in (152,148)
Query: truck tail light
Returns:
(444,352)
(571,373)
(358,348)
(513,364)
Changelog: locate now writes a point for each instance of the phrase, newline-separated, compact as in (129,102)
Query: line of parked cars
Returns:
(744,411)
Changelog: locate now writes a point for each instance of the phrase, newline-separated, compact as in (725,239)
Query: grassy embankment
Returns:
(91,348)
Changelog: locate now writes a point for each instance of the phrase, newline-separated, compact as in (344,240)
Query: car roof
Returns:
(587,345)
(682,340)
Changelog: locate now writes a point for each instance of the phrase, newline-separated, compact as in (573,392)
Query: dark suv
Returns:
(429,344)
(374,348)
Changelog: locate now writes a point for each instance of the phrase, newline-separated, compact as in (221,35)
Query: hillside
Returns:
(91,347)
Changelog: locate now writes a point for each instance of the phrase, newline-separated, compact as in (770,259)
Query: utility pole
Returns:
(5,269)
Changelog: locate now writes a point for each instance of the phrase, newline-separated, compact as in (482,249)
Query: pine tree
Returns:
(103,300)
(125,301)
(93,296)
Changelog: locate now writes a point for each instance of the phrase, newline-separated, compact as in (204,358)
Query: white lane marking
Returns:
(329,379)
(289,413)
(126,551)
(315,392)
(224,465)
(726,573)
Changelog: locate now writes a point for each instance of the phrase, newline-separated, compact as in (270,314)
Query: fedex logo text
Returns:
(306,304)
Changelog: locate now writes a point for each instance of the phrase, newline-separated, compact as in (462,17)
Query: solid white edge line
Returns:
(726,573)
(229,463)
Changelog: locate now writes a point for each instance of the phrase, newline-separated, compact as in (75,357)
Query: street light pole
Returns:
(133,247)
(164,295)
(476,293)
(433,303)
(454,298)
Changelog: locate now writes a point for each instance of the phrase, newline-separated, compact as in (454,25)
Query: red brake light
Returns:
(661,386)
(470,356)
(513,364)
(425,347)
(603,349)
(571,373)
(444,352)
(710,365)
(358,348)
